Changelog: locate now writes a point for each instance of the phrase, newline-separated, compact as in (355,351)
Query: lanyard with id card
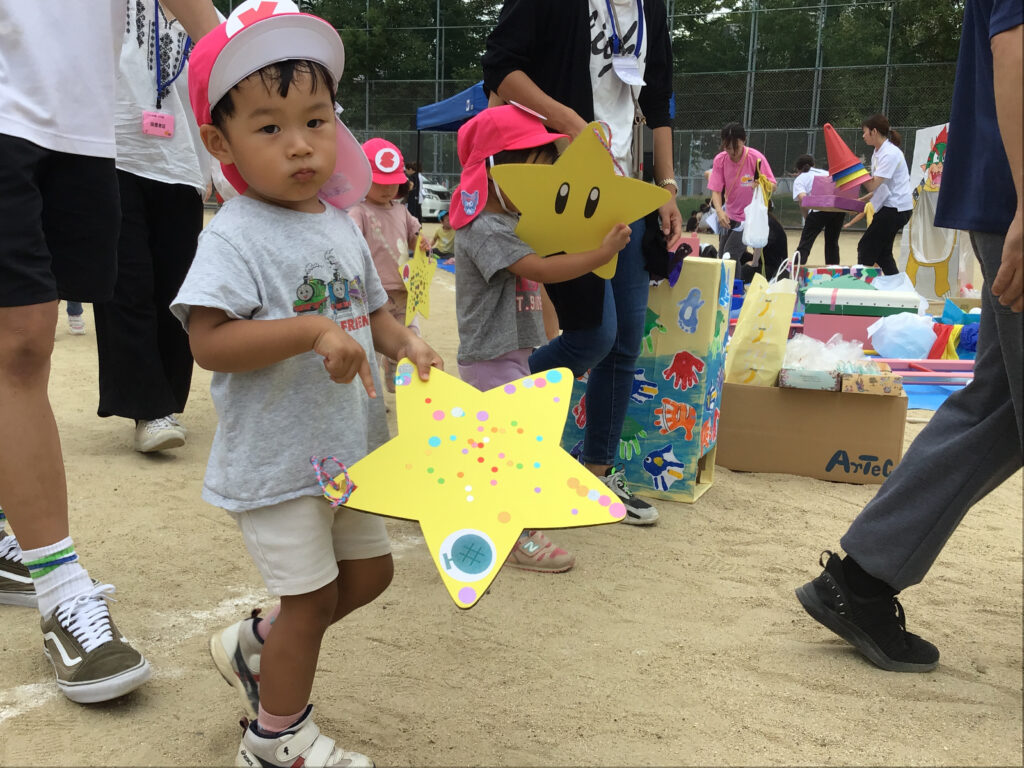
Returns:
(155,122)
(627,66)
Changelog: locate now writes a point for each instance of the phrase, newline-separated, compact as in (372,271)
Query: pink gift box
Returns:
(825,197)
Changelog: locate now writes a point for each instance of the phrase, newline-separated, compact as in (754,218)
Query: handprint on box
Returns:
(643,389)
(673,415)
(685,369)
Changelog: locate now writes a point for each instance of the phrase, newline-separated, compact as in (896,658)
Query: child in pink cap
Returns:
(498,298)
(283,304)
(390,231)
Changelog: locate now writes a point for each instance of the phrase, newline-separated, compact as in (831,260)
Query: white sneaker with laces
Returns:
(638,511)
(301,745)
(76,325)
(158,434)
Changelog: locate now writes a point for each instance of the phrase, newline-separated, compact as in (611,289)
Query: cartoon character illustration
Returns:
(652,323)
(629,442)
(338,290)
(663,467)
(688,309)
(355,289)
(311,295)
(673,415)
(643,389)
(580,412)
(684,368)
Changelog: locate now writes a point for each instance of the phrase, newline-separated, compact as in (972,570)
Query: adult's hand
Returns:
(1008,285)
(671,221)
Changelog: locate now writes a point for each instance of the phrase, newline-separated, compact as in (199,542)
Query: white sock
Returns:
(56,574)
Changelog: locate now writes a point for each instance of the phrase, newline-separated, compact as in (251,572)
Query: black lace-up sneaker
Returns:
(876,627)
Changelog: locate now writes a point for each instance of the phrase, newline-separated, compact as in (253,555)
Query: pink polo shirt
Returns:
(737,179)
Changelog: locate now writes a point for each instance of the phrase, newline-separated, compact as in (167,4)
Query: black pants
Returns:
(144,359)
(875,246)
(816,221)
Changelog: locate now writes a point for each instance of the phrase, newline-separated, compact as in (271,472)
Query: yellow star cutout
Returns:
(571,205)
(417,273)
(476,469)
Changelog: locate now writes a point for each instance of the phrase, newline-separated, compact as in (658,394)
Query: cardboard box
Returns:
(670,432)
(836,436)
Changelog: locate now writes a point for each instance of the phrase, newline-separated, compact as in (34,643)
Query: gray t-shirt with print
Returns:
(498,312)
(261,262)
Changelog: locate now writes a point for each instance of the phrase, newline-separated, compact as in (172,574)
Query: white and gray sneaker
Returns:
(158,434)
(236,652)
(300,745)
(638,511)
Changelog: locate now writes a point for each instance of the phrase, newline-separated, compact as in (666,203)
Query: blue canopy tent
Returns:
(450,113)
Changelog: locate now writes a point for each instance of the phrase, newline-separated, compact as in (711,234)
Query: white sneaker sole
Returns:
(109,688)
(161,442)
(640,520)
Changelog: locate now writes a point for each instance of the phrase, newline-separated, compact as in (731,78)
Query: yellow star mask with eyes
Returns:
(569,207)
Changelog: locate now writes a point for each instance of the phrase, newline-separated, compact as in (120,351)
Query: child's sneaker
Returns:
(92,660)
(539,553)
(236,652)
(638,511)
(158,434)
(76,325)
(16,587)
(301,745)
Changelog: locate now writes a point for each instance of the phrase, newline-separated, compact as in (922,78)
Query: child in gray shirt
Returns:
(498,300)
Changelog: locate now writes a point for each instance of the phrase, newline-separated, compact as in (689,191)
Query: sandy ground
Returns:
(681,644)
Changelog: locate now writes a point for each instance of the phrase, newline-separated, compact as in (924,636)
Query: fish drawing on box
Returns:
(663,467)
(643,389)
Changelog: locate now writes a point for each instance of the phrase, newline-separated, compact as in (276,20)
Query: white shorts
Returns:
(297,544)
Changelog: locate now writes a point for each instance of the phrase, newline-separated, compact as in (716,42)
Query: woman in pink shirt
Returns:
(732,182)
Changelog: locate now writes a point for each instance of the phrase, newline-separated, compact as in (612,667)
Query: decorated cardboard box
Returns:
(671,429)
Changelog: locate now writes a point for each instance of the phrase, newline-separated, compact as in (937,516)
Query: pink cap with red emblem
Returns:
(262,32)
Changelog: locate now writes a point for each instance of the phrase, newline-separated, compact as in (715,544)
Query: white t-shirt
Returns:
(887,162)
(613,102)
(58,66)
(181,158)
(802,183)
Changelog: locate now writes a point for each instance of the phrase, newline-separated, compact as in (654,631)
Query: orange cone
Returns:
(846,169)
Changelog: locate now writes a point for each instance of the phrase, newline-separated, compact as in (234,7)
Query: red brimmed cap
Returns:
(492,131)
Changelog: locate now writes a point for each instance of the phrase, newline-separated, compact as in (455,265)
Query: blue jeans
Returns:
(609,351)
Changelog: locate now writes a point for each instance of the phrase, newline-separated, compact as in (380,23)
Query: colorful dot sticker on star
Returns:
(476,469)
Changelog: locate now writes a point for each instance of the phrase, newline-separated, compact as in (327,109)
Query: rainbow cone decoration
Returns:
(846,170)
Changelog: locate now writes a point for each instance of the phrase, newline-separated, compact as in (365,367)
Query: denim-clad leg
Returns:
(610,352)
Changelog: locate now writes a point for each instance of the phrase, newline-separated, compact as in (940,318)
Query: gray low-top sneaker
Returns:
(638,511)
(16,587)
(92,660)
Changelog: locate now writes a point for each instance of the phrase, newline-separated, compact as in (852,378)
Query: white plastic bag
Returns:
(755,222)
(903,335)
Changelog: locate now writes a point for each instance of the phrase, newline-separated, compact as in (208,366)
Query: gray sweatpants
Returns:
(974,442)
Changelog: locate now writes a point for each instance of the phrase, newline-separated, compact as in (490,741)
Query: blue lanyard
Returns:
(639,28)
(160,83)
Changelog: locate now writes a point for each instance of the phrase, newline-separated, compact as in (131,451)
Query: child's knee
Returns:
(314,608)
(363,581)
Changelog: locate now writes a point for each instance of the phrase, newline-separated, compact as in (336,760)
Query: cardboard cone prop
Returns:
(846,170)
